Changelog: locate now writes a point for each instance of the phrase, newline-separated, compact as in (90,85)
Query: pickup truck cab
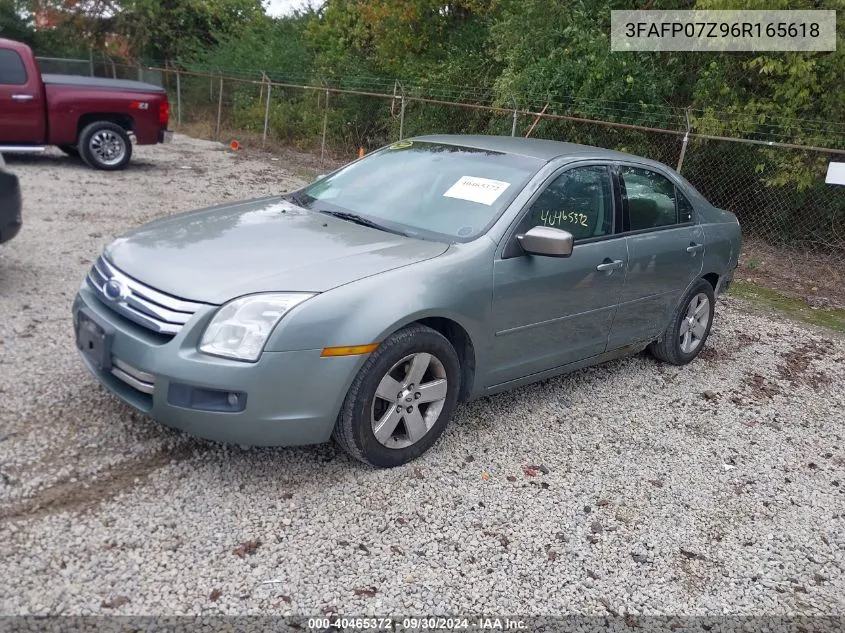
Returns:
(91,117)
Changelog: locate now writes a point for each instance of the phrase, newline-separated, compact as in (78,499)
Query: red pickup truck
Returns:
(87,116)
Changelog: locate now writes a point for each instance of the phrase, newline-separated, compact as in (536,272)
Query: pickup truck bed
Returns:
(126,85)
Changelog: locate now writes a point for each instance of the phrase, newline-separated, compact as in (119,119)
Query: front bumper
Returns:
(291,398)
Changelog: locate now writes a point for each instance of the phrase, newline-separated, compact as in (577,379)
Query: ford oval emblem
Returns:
(114,290)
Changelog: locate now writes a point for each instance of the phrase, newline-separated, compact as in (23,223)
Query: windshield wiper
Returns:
(296,199)
(359,219)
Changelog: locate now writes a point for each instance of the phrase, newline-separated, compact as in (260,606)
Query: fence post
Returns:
(178,97)
(219,108)
(537,120)
(91,61)
(325,127)
(266,109)
(684,144)
(513,126)
(401,108)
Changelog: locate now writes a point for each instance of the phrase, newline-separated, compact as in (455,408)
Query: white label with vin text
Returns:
(474,189)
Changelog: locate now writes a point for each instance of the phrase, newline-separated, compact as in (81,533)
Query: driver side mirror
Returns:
(546,241)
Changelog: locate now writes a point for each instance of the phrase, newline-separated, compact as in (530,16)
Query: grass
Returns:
(792,307)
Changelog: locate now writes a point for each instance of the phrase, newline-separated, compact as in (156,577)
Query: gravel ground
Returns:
(629,488)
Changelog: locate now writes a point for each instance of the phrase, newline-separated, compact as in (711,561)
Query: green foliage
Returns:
(398,37)
(16,23)
(175,28)
(13,25)
(560,52)
(263,44)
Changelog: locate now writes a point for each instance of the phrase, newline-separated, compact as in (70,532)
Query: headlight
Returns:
(241,327)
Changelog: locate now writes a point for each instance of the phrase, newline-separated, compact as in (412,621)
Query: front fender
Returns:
(456,285)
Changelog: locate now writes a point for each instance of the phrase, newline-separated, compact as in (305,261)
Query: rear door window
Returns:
(12,70)
(653,200)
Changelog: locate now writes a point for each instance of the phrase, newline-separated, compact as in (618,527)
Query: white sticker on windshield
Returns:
(474,189)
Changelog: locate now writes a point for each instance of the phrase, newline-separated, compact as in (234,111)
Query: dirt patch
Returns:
(87,493)
(796,365)
(759,388)
(744,340)
(710,354)
(304,162)
(818,278)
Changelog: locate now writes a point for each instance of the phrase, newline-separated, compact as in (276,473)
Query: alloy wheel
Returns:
(694,323)
(409,400)
(108,147)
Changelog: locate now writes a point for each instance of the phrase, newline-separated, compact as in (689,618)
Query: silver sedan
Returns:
(369,304)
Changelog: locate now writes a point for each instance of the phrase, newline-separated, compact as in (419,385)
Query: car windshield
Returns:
(424,189)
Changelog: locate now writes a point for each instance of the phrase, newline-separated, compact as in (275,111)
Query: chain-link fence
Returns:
(776,187)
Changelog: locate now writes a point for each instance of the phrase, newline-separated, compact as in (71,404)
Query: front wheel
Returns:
(689,328)
(105,145)
(401,400)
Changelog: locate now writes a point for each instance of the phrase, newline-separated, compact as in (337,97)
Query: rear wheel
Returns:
(401,400)
(689,328)
(105,145)
(70,150)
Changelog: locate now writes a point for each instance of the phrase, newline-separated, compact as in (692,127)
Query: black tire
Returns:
(70,150)
(353,430)
(669,348)
(112,131)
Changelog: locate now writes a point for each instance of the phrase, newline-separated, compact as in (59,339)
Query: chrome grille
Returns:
(150,308)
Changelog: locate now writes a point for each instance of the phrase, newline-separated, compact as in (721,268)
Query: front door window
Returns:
(579,201)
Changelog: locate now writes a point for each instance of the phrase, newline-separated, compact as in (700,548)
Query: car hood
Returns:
(216,254)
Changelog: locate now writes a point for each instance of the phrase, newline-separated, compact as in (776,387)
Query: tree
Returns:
(399,38)
(13,24)
(559,52)
(167,29)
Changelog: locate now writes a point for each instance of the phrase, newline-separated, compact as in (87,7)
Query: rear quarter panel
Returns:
(723,242)
(68,106)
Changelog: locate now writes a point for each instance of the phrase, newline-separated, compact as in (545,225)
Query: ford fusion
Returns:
(367,305)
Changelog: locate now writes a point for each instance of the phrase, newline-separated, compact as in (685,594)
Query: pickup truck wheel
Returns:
(105,145)
(70,150)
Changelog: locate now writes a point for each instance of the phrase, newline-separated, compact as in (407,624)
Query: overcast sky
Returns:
(284,7)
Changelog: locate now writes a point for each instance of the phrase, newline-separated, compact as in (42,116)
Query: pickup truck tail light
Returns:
(164,113)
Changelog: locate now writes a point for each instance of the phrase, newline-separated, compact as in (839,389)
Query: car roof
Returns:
(536,148)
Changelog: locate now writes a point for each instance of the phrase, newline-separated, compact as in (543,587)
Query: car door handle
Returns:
(693,248)
(609,266)
(21,97)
